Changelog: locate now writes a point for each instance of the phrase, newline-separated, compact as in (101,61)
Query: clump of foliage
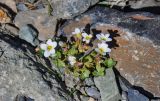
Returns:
(85,55)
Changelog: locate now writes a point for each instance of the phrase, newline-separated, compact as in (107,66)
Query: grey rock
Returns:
(89,82)
(135,4)
(107,86)
(40,19)
(70,8)
(19,75)
(29,34)
(71,81)
(10,3)
(134,95)
(93,92)
(21,7)
(84,98)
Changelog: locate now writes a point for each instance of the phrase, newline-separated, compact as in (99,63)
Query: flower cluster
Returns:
(79,55)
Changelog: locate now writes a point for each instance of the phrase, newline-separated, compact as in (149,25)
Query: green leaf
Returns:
(85,73)
(76,74)
(58,54)
(40,52)
(72,51)
(88,58)
(59,63)
(109,63)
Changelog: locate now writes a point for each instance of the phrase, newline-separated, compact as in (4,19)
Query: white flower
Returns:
(77,31)
(103,48)
(61,43)
(86,37)
(49,48)
(72,60)
(103,37)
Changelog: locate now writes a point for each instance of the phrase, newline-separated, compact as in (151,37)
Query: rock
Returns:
(93,92)
(10,3)
(107,86)
(12,29)
(32,1)
(135,4)
(29,34)
(5,17)
(70,8)
(136,43)
(71,81)
(21,7)
(134,95)
(40,19)
(20,73)
(89,82)
(144,3)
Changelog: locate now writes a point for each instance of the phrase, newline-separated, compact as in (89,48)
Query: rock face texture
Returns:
(70,8)
(45,24)
(19,74)
(136,47)
(135,4)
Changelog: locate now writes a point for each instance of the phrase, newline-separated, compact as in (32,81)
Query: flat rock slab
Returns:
(136,46)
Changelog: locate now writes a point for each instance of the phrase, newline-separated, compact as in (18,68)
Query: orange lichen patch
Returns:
(140,17)
(4,18)
(78,23)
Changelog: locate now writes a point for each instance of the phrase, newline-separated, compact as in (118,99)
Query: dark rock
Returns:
(93,92)
(136,43)
(29,34)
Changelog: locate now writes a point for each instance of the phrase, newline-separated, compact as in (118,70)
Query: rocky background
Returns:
(134,24)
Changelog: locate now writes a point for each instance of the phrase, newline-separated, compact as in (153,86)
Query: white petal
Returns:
(104,53)
(98,36)
(84,34)
(90,36)
(87,41)
(77,30)
(52,51)
(43,46)
(109,39)
(49,42)
(97,50)
(73,33)
(108,50)
(106,35)
(84,39)
(47,54)
(54,44)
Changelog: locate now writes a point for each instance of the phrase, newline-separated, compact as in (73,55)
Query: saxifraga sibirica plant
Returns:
(80,56)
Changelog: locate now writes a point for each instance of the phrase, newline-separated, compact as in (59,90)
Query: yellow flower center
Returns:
(103,38)
(49,48)
(101,50)
(88,38)
(78,35)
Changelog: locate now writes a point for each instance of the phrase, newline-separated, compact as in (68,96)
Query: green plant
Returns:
(80,56)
